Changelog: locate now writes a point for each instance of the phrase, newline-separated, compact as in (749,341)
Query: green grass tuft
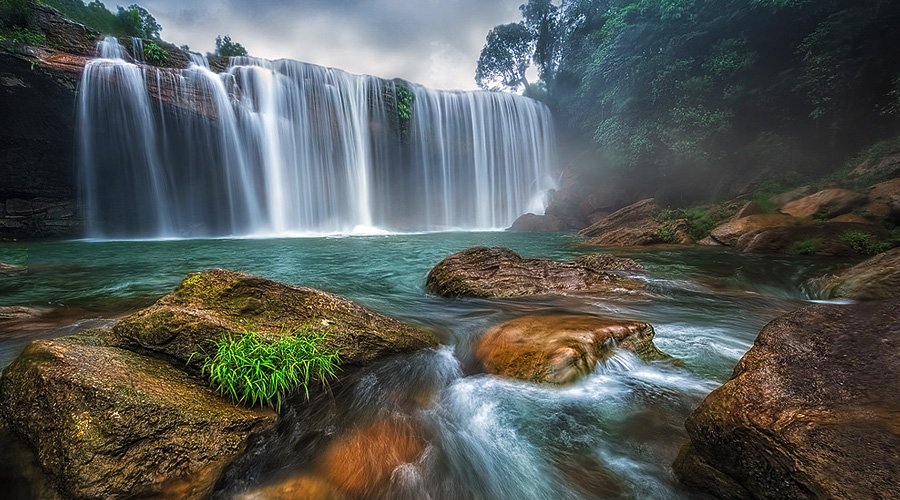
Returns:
(864,243)
(264,371)
(805,247)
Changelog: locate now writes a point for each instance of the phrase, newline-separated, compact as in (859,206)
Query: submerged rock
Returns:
(874,279)
(559,349)
(500,272)
(208,305)
(811,411)
(106,422)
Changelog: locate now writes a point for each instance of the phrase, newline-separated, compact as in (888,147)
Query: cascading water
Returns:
(285,147)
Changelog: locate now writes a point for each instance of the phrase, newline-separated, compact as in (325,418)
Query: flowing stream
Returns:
(614,434)
(288,148)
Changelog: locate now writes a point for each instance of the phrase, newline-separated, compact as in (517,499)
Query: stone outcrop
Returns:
(559,349)
(827,203)
(808,239)
(885,198)
(106,422)
(500,272)
(874,279)
(730,232)
(208,305)
(811,411)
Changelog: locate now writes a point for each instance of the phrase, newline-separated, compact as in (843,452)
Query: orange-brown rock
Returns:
(559,349)
(634,225)
(887,193)
(811,411)
(854,218)
(825,203)
(730,232)
(828,238)
(361,462)
(877,278)
(500,272)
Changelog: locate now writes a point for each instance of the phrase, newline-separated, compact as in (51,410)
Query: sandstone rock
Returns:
(531,223)
(887,194)
(362,461)
(607,262)
(730,232)
(812,239)
(208,305)
(630,226)
(783,199)
(874,279)
(106,422)
(500,272)
(709,241)
(562,348)
(749,208)
(810,412)
(854,218)
(826,203)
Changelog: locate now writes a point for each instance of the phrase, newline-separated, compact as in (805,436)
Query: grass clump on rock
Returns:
(256,369)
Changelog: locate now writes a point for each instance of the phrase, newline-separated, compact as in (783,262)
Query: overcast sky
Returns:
(433,42)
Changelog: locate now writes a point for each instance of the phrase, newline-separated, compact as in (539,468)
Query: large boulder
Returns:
(730,232)
(885,196)
(811,411)
(531,223)
(208,305)
(874,279)
(829,238)
(500,272)
(634,225)
(826,203)
(561,348)
(109,423)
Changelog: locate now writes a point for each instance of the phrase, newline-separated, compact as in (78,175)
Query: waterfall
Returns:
(286,148)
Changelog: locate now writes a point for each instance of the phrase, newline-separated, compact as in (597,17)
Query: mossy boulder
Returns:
(208,305)
(730,232)
(635,225)
(500,272)
(826,203)
(811,410)
(560,348)
(828,238)
(109,423)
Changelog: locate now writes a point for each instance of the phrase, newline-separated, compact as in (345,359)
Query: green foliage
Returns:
(864,243)
(701,220)
(805,247)
(404,98)
(505,58)
(138,22)
(226,47)
(22,36)
(668,235)
(131,21)
(258,370)
(15,13)
(154,54)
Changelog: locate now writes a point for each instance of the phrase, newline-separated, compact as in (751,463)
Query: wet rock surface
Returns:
(877,278)
(811,410)
(634,225)
(500,272)
(106,422)
(531,223)
(559,349)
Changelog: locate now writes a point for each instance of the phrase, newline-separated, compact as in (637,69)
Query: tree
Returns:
(138,22)
(505,57)
(225,47)
(541,18)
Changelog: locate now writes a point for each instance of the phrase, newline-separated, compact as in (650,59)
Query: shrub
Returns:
(404,99)
(154,54)
(259,370)
(864,243)
(805,247)
(15,13)
(226,47)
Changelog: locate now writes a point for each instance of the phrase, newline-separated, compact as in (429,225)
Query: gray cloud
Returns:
(432,42)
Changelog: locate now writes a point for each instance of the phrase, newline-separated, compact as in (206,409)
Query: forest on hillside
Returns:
(702,93)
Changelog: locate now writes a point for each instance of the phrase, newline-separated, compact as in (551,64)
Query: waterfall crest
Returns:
(283,147)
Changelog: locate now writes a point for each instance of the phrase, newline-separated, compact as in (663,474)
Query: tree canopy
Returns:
(138,21)
(226,47)
(505,58)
